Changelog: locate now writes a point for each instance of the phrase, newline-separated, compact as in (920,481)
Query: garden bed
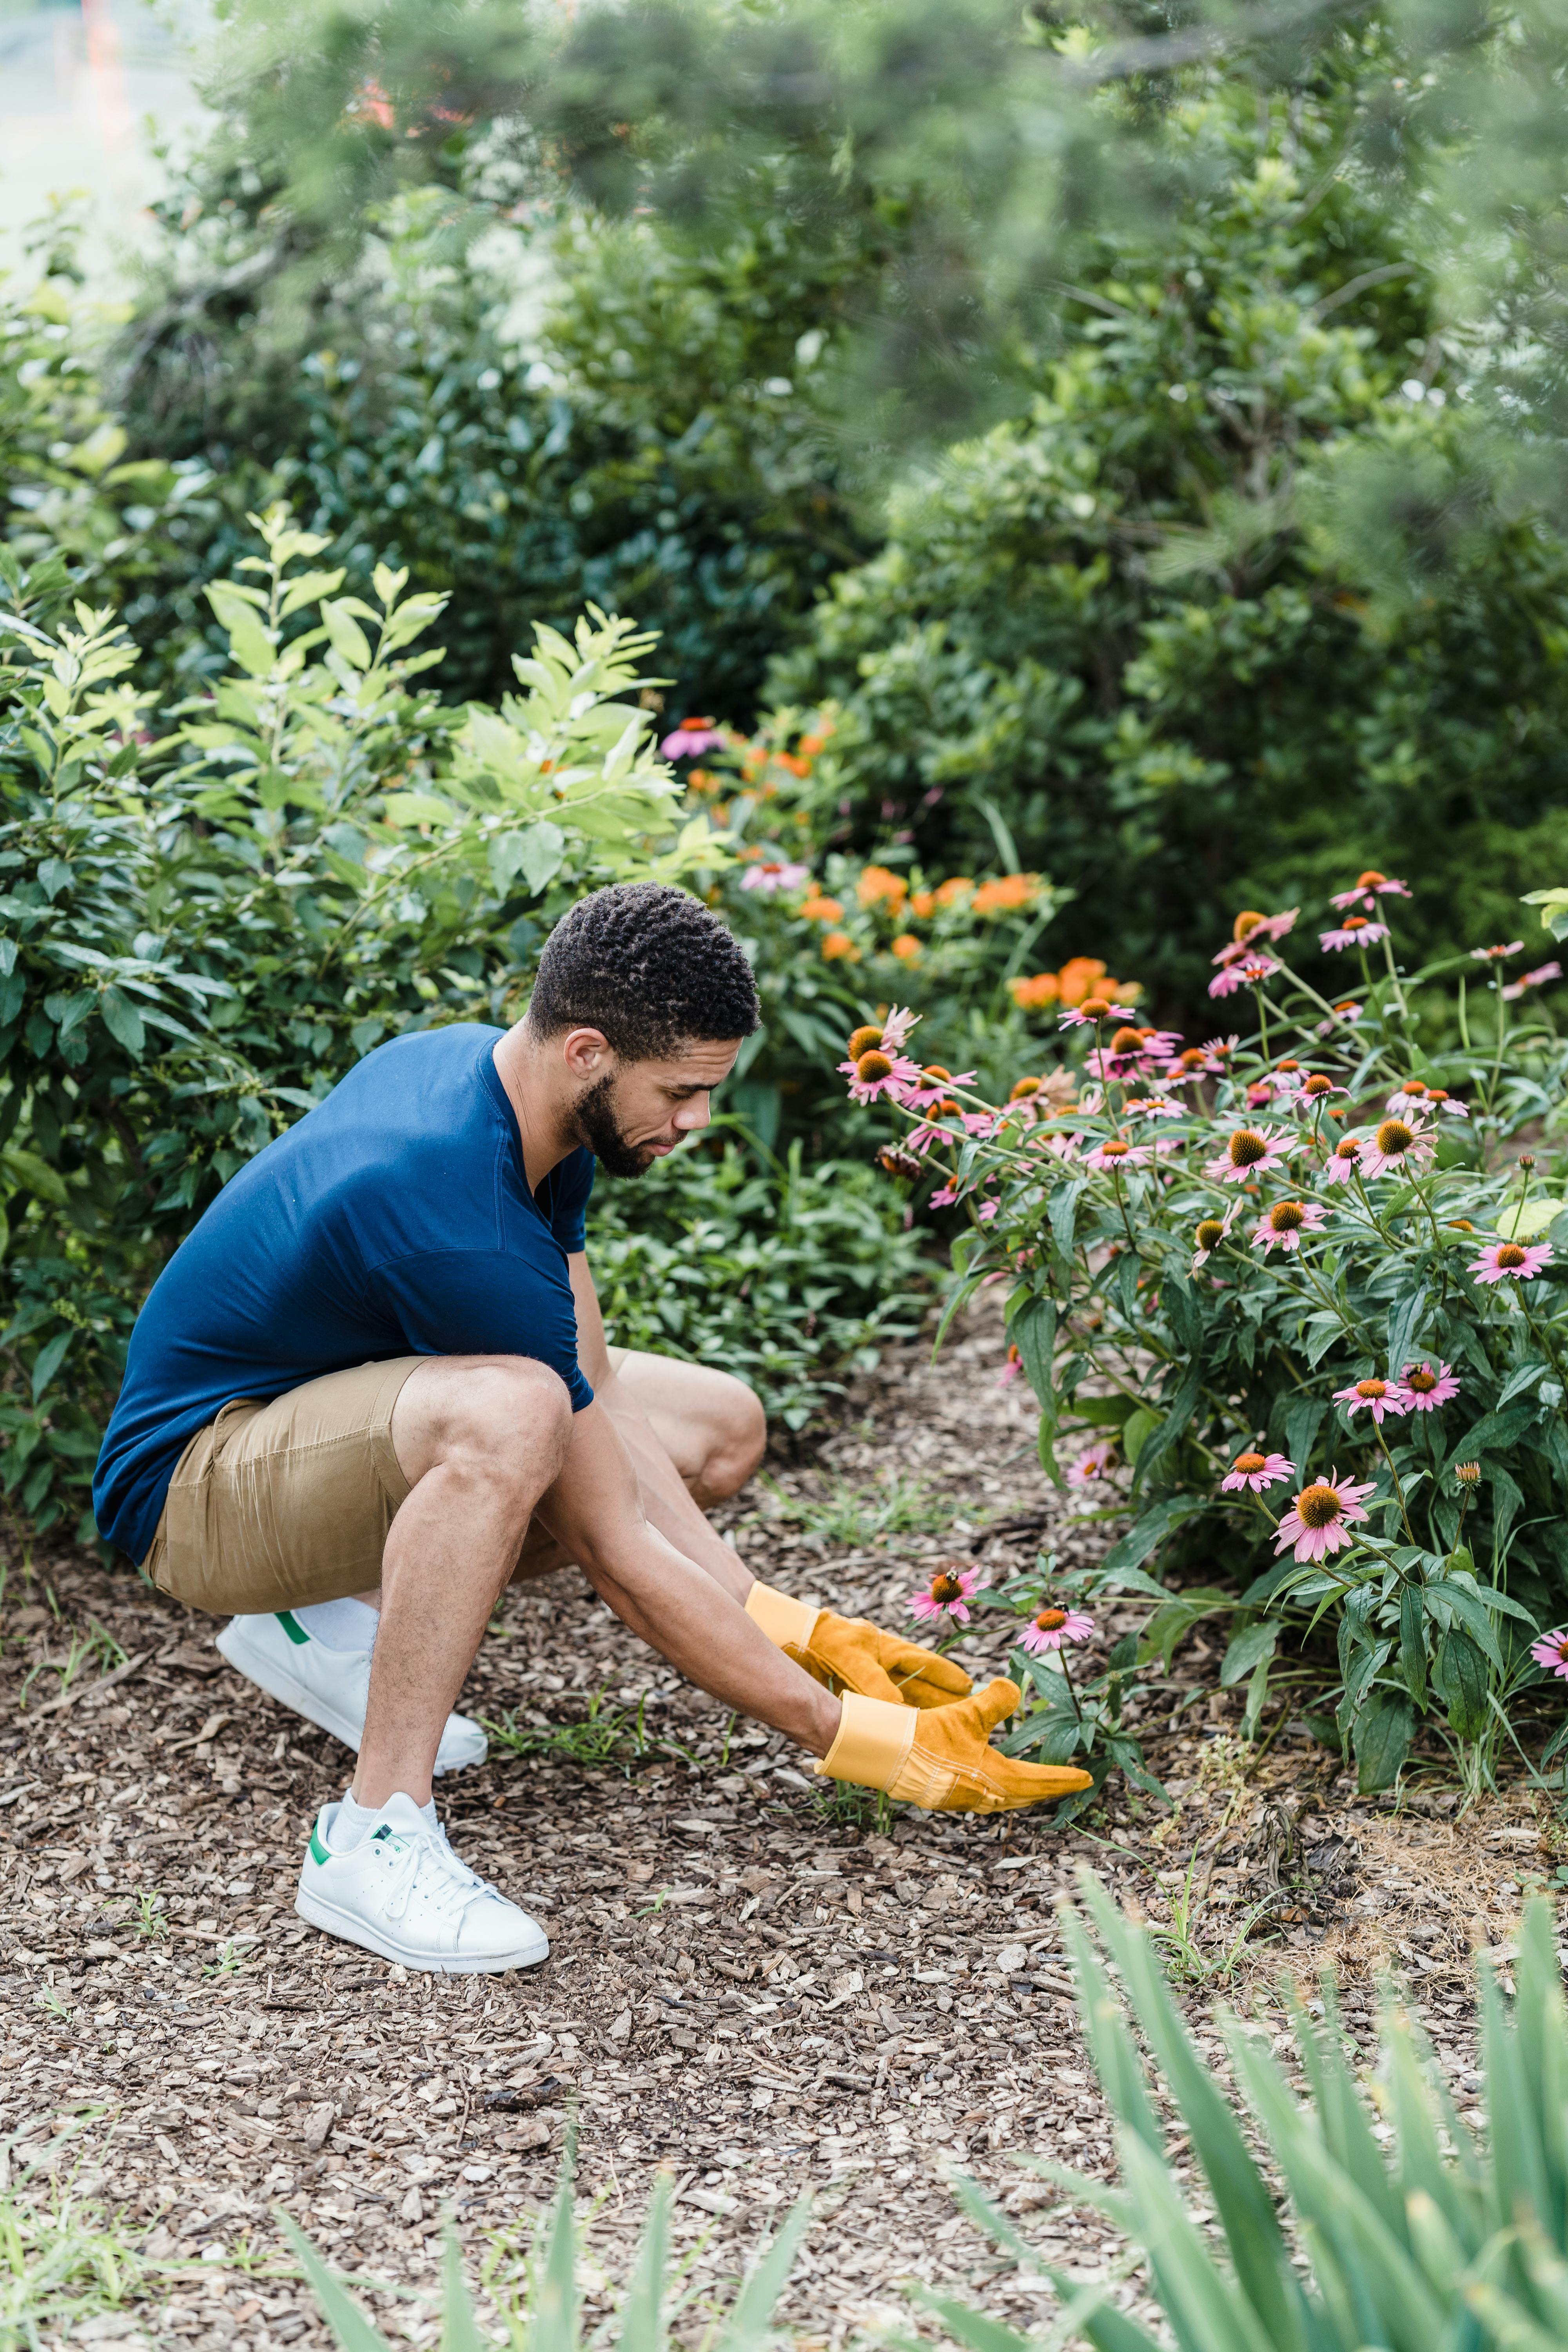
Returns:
(745,1984)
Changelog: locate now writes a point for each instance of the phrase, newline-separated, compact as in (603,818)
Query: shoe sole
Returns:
(351,1930)
(288,1693)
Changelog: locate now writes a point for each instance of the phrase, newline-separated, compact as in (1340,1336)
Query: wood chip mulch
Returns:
(751,1983)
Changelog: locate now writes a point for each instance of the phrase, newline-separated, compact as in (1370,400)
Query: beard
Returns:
(597,1126)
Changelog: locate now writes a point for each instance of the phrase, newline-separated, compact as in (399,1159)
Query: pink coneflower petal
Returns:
(1511,1261)
(1497,955)
(1094,1009)
(1536,979)
(1092,1463)
(1251,1151)
(880,1072)
(1373,1395)
(1552,1652)
(1369,889)
(1116,1153)
(950,1591)
(1282,1225)
(1398,1145)
(1244,974)
(1343,1163)
(773,875)
(1357,932)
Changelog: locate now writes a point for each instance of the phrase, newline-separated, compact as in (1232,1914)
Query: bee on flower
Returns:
(949,1594)
(1427,1389)
(1319,1521)
(1282,1225)
(1050,1629)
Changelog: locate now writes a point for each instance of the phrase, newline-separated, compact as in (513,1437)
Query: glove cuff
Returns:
(874,1736)
(788,1623)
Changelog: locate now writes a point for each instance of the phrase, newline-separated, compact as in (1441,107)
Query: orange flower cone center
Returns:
(1210,1232)
(1349,1150)
(1394,1137)
(1511,1256)
(1248,1147)
(1356,922)
(1095,1008)
(1317,1083)
(1318,1506)
(863,1040)
(1127,1041)
(946,1587)
(1412,1087)
(1114,1149)
(1050,1618)
(1245,923)
(1370,879)
(872,1066)
(1423,1381)
(1372,1388)
(1287,1216)
(1248,1463)
(1192,1058)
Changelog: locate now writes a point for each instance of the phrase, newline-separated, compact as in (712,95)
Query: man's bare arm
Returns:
(665,1501)
(596,1511)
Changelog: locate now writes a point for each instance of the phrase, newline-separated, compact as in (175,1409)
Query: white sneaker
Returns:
(329,1687)
(401,1892)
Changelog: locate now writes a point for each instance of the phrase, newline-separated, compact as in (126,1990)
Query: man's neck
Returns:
(541,1116)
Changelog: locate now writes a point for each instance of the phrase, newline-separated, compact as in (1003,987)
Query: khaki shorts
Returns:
(278,1505)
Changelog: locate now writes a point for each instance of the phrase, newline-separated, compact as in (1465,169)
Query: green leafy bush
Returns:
(1403,2226)
(1290,1264)
(210,913)
(791,1276)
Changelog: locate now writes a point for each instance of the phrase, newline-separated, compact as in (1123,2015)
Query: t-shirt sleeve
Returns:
(569,1210)
(486,1303)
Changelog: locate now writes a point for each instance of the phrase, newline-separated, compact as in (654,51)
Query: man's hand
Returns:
(940,1759)
(850,1653)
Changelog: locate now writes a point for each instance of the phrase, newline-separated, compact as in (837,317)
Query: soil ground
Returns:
(748,1984)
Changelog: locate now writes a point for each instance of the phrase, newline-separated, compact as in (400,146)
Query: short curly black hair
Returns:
(647,965)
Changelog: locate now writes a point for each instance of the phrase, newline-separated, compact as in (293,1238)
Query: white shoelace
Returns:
(446,1865)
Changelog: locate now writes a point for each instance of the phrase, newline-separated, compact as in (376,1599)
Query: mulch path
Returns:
(748,1984)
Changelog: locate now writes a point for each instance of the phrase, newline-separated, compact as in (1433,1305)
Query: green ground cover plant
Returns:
(1300,1295)
(1400,2227)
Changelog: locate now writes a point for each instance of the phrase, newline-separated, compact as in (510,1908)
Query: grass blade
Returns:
(748,2325)
(342,2314)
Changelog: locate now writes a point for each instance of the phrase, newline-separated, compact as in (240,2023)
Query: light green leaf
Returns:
(1246,1651)
(346,632)
(1526,1217)
(249,640)
(33,1174)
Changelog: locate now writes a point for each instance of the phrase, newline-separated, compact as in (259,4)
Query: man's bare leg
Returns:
(480,1439)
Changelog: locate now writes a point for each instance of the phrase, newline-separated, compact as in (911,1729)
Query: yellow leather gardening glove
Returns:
(851,1653)
(940,1759)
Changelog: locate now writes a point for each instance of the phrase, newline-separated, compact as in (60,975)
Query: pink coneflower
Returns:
(1511,1261)
(1251,1151)
(1316,1088)
(1374,1396)
(774,875)
(1319,1519)
(1210,1232)
(1343,1015)
(1552,1652)
(1536,979)
(1051,1627)
(1345,1160)
(1194,1062)
(1246,975)
(1282,1225)
(935,1084)
(950,1593)
(1448,1106)
(1427,1388)
(1093,1010)
(1396,1145)
(947,1196)
(1408,1099)
(1258,1471)
(1497,955)
(897,1026)
(1092,1463)
(982,1123)
(691,738)
(1252,932)
(1011,1369)
(1356,931)
(1369,889)
(877,1073)
(1116,1153)
(1153,1106)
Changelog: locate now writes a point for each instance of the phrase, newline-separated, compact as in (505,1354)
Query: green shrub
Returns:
(1413,2232)
(1287,1264)
(210,913)
(792,1276)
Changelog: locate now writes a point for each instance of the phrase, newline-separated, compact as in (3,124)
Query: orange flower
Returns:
(878,883)
(839,948)
(954,889)
(796,767)
(1004,892)
(810,745)
(907,948)
(820,909)
(1028,995)
(923,904)
(1079,977)
(700,780)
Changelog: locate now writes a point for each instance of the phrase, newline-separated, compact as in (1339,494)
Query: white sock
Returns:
(355,1822)
(340,1624)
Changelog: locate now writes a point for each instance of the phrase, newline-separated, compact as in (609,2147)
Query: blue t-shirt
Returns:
(394,1219)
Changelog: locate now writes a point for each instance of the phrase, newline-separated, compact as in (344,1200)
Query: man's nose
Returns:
(694,1114)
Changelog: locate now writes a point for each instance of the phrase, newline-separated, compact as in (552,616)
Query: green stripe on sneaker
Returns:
(292,1626)
(317,1851)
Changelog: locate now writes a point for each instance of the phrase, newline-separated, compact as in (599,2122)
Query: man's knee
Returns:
(506,1417)
(737,1437)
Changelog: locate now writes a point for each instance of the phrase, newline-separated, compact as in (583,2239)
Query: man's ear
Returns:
(587,1052)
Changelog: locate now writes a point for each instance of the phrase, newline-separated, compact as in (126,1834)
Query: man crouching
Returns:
(372,1386)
